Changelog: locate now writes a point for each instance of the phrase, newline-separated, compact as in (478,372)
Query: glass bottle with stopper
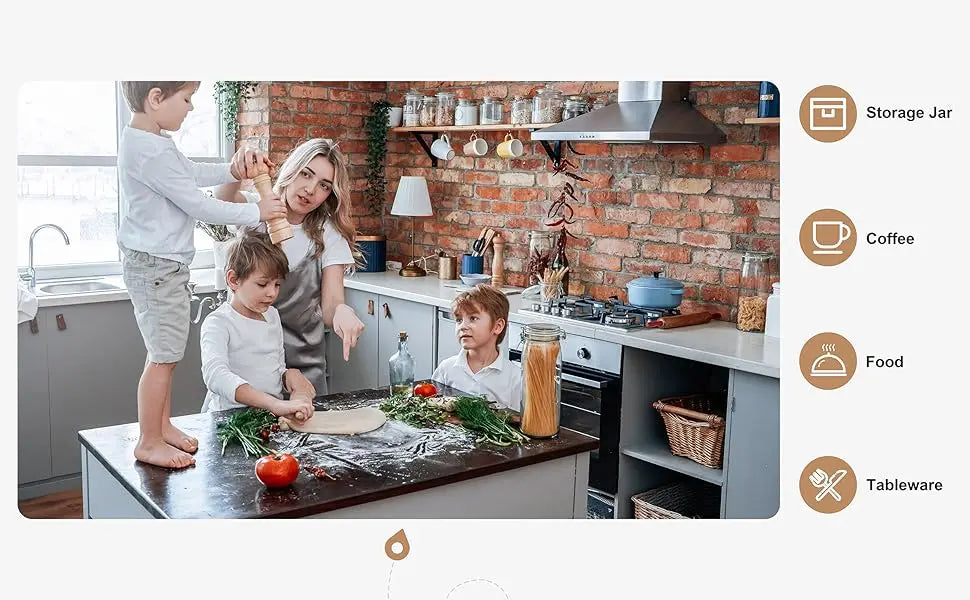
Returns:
(279,229)
(401,367)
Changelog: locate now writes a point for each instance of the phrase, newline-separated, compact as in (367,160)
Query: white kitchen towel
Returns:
(26,304)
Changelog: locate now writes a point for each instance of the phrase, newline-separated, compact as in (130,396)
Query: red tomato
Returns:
(425,390)
(277,470)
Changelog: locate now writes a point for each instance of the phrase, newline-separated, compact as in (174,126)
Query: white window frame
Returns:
(203,258)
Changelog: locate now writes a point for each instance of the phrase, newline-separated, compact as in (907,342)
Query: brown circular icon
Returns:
(827,484)
(827,237)
(827,113)
(827,361)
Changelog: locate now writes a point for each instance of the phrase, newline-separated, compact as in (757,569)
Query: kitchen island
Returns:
(396,471)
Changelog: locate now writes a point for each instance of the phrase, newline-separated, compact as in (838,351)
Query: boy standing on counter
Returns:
(160,203)
(481,320)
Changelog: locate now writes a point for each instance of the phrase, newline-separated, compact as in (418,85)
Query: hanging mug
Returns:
(441,148)
(476,146)
(510,148)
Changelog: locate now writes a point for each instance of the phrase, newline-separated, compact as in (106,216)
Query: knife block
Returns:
(279,229)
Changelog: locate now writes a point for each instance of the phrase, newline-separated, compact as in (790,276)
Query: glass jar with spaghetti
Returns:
(541,377)
(754,291)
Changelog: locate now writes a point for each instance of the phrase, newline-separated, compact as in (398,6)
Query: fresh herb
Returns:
(476,415)
(249,428)
(376,126)
(229,95)
(413,410)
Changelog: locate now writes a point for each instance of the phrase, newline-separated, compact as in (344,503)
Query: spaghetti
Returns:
(540,381)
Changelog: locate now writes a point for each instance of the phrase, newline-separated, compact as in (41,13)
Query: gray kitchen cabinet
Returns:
(447,343)
(383,317)
(360,372)
(94,365)
(751,448)
(33,404)
(418,320)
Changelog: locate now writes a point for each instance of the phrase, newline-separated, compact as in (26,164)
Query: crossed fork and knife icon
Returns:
(822,480)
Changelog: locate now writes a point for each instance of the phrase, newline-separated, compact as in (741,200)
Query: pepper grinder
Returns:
(498,261)
(279,229)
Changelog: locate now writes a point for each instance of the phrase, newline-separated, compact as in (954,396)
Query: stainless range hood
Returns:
(646,112)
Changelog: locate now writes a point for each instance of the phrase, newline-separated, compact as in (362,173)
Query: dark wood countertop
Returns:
(393,460)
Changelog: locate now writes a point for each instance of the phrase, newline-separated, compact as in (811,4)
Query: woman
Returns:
(315,188)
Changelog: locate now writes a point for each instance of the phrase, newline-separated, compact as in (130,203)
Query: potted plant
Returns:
(222,237)
(376,125)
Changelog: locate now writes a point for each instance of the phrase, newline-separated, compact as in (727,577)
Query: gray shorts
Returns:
(159,290)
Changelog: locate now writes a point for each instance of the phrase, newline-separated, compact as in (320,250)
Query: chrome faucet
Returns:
(31,275)
(213,303)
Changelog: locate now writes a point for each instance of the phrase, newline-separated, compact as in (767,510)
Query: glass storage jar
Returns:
(446,109)
(542,246)
(429,109)
(599,102)
(541,377)
(521,110)
(574,106)
(754,291)
(466,113)
(490,112)
(547,105)
(412,109)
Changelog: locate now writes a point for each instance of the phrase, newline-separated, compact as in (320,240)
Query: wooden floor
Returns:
(62,505)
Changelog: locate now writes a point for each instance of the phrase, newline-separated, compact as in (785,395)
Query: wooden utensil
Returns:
(477,244)
(279,229)
(683,320)
(498,261)
(487,241)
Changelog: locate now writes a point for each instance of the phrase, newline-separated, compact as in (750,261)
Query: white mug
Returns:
(441,148)
(476,146)
(394,115)
(510,148)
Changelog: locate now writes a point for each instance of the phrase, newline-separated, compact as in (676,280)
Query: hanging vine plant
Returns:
(376,126)
(229,96)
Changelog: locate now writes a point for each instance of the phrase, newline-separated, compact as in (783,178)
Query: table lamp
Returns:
(412,200)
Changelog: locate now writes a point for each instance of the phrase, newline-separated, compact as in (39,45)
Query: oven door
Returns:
(590,404)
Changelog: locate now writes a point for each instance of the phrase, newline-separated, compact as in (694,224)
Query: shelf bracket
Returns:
(418,135)
(554,152)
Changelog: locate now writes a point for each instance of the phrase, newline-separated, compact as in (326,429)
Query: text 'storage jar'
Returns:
(541,379)
(754,291)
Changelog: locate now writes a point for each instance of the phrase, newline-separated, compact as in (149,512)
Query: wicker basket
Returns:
(695,427)
(679,500)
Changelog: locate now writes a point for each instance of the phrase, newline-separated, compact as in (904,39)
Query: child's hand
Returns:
(271,208)
(298,408)
(246,164)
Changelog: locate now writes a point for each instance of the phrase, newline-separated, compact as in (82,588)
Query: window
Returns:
(67,156)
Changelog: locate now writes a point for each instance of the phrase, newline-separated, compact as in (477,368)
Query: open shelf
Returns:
(762,121)
(657,453)
(473,128)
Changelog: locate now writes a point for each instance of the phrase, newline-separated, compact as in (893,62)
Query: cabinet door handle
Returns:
(370,307)
(33,325)
(61,323)
(387,310)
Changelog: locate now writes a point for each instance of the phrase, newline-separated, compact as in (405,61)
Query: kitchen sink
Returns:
(76,287)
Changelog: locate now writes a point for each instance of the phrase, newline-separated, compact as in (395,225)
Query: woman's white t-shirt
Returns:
(336,250)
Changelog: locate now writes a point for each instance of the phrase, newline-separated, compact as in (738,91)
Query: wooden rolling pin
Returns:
(279,229)
(498,261)
(683,320)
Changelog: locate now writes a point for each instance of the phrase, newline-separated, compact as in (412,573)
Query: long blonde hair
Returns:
(336,207)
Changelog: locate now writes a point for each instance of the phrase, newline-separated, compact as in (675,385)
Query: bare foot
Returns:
(161,454)
(174,436)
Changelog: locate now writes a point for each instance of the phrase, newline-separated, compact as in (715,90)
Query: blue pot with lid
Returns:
(655,292)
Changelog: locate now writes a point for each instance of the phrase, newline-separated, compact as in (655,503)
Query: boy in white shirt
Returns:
(242,340)
(481,320)
(160,203)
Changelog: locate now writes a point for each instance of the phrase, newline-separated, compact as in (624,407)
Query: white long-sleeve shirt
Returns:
(161,200)
(238,350)
(500,381)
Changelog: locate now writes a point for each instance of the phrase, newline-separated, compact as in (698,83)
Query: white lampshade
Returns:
(412,198)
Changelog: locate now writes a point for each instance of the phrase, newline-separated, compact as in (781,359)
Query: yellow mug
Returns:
(510,148)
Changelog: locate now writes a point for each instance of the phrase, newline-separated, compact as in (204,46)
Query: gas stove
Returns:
(611,313)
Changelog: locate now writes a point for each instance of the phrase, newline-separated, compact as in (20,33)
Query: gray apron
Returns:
(298,303)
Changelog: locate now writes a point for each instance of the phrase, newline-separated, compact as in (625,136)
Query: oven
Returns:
(590,404)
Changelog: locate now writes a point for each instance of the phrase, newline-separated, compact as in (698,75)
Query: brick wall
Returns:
(688,209)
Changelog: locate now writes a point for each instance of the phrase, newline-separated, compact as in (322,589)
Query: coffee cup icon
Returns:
(829,235)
